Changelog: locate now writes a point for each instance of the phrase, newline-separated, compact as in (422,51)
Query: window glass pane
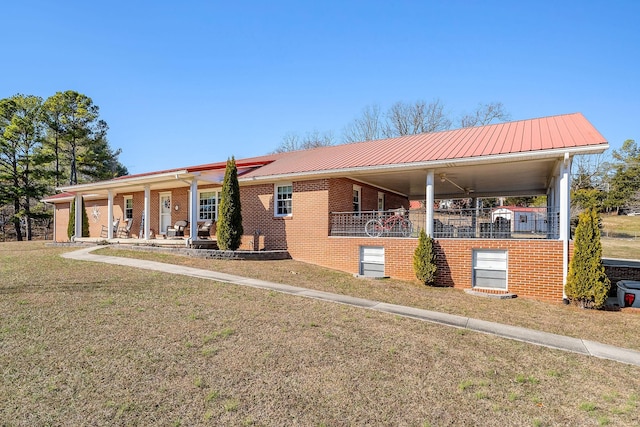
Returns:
(208,206)
(128,208)
(284,195)
(356,200)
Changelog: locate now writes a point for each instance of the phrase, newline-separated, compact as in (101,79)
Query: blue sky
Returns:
(193,82)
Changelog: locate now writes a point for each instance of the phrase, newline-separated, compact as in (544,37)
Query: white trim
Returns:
(475,268)
(481,160)
(160,214)
(123,182)
(275,199)
(430,200)
(147,212)
(194,207)
(78,216)
(357,189)
(110,221)
(217,192)
(124,206)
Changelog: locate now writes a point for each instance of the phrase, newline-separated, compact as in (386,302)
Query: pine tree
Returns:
(229,229)
(587,283)
(424,259)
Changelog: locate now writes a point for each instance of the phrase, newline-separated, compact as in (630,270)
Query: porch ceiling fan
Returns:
(445,178)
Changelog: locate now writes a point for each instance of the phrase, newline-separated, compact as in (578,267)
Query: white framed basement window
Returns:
(128,207)
(208,205)
(490,269)
(283,200)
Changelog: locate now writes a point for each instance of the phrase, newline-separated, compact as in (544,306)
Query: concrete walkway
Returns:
(560,342)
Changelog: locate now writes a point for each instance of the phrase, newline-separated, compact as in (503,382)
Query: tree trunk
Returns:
(16,220)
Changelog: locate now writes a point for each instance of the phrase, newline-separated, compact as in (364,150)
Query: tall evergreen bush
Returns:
(229,228)
(587,283)
(424,259)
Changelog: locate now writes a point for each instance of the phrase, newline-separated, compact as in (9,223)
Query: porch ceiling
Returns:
(521,178)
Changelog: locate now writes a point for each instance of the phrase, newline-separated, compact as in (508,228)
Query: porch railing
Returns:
(481,223)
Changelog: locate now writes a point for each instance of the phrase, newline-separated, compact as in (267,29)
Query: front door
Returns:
(165,212)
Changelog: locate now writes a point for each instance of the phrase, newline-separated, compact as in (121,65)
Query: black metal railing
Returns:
(482,223)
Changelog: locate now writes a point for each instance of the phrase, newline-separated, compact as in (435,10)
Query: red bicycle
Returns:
(395,224)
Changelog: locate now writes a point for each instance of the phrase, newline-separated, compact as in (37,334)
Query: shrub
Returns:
(587,283)
(424,259)
(229,230)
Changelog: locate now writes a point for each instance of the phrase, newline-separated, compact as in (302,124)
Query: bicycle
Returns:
(396,222)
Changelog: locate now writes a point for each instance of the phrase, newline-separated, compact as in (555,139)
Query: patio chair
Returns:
(204,229)
(104,232)
(177,230)
(125,231)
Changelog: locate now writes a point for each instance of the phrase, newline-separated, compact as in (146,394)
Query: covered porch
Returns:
(475,180)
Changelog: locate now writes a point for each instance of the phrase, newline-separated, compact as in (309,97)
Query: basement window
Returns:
(490,269)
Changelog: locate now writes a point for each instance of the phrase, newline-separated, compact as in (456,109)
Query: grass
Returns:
(615,328)
(627,246)
(146,363)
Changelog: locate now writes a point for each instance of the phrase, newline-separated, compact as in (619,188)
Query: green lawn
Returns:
(621,236)
(85,343)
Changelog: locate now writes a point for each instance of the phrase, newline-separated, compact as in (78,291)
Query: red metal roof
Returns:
(548,133)
(570,132)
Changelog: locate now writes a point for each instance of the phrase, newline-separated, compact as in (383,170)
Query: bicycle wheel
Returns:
(373,228)
(405,228)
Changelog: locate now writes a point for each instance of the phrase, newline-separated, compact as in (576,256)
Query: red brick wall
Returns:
(61,222)
(534,266)
(341,197)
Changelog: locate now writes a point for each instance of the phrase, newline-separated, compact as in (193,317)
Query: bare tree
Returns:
(366,127)
(485,114)
(292,141)
(419,117)
(401,119)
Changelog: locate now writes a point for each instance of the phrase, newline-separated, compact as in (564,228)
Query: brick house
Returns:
(316,203)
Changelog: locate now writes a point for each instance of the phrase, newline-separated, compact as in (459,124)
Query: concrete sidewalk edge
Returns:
(531,336)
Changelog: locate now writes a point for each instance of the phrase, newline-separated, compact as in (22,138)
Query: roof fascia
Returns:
(123,182)
(481,160)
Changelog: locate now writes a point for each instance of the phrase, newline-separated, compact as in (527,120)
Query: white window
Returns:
(128,207)
(490,269)
(283,199)
(208,205)
(357,197)
(380,201)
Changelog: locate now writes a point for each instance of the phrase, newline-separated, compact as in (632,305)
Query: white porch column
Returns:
(147,212)
(565,225)
(429,204)
(110,214)
(193,210)
(78,214)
